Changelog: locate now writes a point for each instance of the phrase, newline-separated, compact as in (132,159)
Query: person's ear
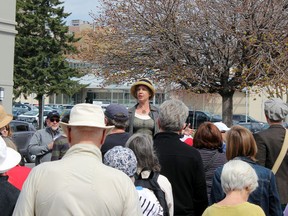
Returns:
(69,134)
(158,122)
(104,134)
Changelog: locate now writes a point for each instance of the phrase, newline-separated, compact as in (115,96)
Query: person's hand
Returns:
(50,145)
(187,130)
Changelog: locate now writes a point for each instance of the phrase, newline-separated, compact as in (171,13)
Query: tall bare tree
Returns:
(205,46)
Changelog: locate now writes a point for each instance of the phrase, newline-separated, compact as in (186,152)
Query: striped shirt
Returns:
(149,203)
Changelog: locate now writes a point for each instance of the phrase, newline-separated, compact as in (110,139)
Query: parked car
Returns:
(197,117)
(67,106)
(33,117)
(21,135)
(28,107)
(16,111)
(65,112)
(20,108)
(252,124)
(57,107)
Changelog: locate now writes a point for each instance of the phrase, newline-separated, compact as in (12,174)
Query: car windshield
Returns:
(210,115)
(48,108)
(31,113)
(243,118)
(251,118)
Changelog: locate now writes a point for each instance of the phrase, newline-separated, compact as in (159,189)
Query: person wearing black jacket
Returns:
(180,163)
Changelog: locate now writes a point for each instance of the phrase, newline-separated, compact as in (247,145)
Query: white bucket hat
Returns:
(89,115)
(9,158)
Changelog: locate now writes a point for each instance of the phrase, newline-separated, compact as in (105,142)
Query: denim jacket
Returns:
(266,194)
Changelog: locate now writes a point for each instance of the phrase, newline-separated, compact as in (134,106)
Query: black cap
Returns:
(53,114)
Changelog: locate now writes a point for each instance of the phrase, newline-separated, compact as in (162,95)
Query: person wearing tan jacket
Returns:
(79,183)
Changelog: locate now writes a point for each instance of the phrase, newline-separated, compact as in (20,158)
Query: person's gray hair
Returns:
(142,146)
(238,175)
(172,115)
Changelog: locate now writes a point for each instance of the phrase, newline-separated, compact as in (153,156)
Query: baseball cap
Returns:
(53,114)
(116,112)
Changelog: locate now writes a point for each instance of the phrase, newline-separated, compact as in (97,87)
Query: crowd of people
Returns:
(135,162)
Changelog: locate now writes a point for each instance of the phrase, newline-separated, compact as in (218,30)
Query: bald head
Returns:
(86,135)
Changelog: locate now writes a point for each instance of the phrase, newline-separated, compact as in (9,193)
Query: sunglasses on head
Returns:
(54,119)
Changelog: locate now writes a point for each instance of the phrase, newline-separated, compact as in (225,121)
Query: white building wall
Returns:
(7,42)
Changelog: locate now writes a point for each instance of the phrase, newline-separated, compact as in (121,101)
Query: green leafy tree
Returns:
(205,46)
(40,47)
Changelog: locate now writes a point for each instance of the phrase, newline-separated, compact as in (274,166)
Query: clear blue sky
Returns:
(80,9)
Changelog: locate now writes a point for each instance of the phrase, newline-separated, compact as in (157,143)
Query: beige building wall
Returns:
(210,102)
(7,41)
(248,103)
(256,104)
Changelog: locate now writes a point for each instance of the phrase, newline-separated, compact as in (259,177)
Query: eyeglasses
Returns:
(54,119)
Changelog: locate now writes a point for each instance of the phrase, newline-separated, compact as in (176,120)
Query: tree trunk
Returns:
(227,108)
(41,107)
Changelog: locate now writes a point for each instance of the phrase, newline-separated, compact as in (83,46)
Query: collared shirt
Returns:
(78,184)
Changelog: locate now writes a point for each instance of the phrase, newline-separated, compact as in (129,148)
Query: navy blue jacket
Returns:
(266,194)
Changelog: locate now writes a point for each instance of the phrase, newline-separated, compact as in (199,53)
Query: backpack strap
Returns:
(152,184)
(160,194)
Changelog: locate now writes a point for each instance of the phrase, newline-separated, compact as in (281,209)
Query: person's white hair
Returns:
(238,175)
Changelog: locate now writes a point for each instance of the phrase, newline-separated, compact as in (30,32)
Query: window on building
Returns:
(159,98)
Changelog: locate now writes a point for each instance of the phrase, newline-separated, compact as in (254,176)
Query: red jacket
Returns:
(17,175)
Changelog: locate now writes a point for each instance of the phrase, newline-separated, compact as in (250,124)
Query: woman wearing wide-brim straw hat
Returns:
(143,116)
(5,118)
